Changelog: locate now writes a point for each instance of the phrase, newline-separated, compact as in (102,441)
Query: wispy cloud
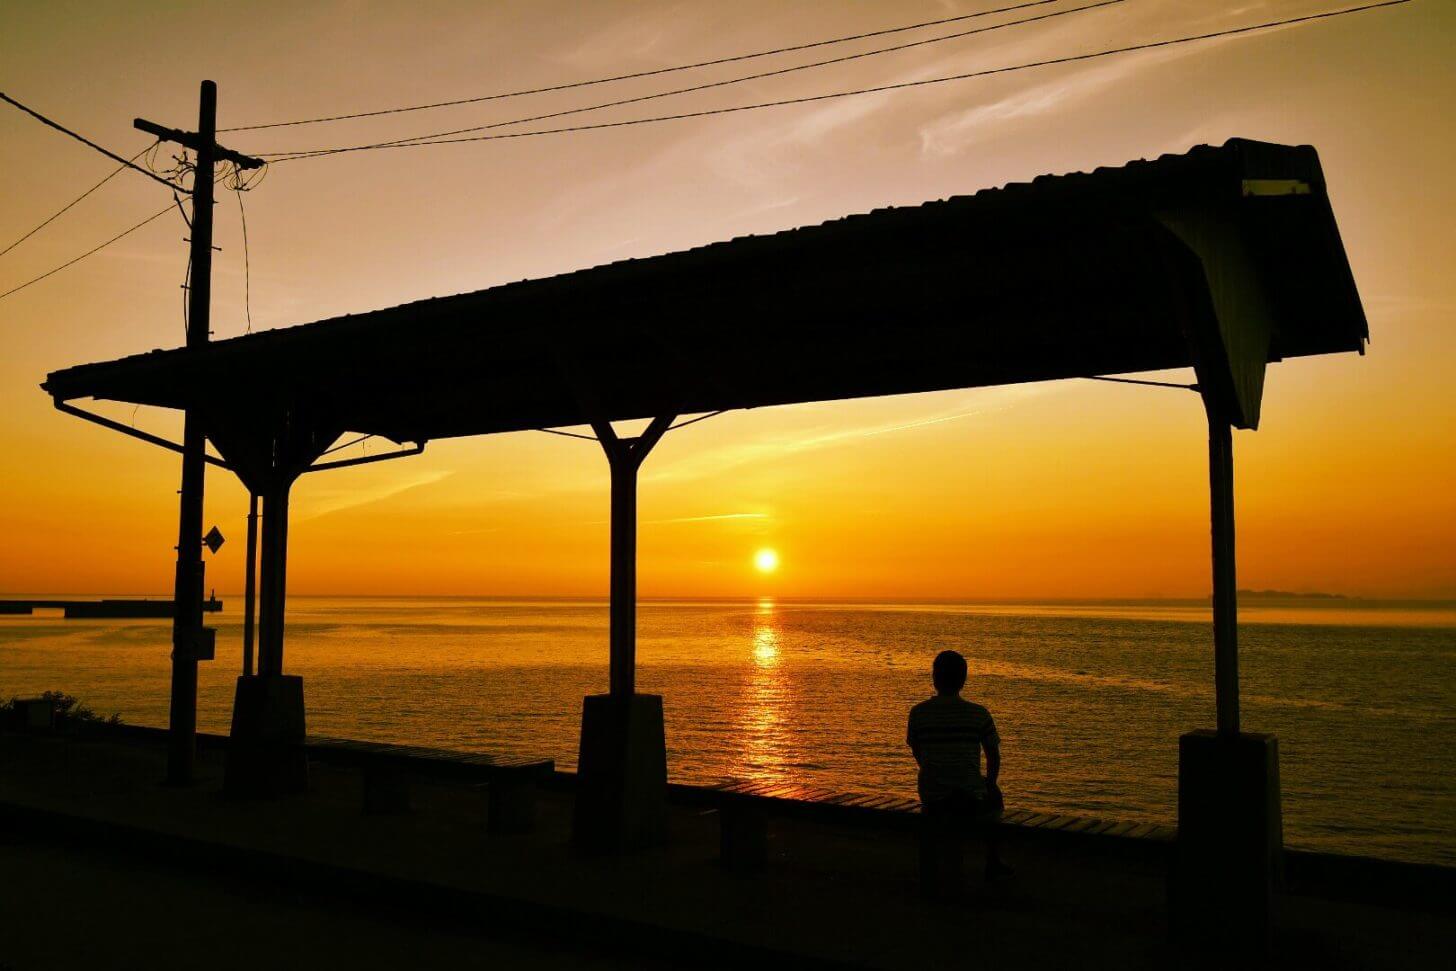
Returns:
(1404,304)
(720,517)
(718,460)
(706,519)
(952,133)
(475,532)
(314,503)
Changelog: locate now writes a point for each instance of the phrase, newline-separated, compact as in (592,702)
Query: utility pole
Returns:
(188,645)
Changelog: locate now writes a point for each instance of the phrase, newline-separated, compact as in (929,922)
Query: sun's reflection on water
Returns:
(765,636)
(765,739)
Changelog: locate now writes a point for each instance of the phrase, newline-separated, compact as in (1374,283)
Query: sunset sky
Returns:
(1071,489)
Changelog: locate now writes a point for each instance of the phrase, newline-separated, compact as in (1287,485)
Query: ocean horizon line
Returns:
(1250,597)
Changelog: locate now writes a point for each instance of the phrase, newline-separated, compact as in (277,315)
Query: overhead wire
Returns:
(655,72)
(422,141)
(180,168)
(247,267)
(709,85)
(899,86)
(239,184)
(67,207)
(177,200)
(183,166)
(126,163)
(96,249)
(186,286)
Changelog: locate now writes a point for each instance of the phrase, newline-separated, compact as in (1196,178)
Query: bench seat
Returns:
(745,807)
(510,781)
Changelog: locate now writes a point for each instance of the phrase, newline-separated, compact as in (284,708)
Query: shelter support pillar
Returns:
(1229,856)
(622,763)
(1225,578)
(274,580)
(265,750)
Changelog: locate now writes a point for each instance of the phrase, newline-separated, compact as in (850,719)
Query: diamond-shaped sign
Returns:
(213,540)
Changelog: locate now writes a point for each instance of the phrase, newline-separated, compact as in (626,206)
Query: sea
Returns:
(1089,698)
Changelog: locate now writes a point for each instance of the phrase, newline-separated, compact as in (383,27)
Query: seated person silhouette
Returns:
(947,733)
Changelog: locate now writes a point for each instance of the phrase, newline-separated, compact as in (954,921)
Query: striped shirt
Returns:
(947,734)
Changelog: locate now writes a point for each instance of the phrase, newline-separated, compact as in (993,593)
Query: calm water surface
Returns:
(1089,700)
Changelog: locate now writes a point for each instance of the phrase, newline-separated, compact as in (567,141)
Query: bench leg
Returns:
(512,806)
(743,839)
(386,792)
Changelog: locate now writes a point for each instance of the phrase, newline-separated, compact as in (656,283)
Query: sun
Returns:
(766,560)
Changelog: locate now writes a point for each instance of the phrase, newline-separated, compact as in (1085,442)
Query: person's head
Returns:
(948,672)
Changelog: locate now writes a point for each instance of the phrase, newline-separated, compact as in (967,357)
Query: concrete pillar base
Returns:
(1230,850)
(621,774)
(265,754)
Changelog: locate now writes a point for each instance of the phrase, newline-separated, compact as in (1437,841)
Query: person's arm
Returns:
(910,741)
(993,762)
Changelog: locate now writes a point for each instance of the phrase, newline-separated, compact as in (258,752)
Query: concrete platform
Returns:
(831,895)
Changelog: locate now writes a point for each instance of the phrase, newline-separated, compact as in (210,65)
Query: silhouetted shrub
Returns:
(69,710)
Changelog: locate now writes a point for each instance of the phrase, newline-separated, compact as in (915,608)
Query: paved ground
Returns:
(147,876)
(63,907)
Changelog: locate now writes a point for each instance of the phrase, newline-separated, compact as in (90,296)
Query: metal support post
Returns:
(274,565)
(625,457)
(1225,582)
(623,673)
(621,794)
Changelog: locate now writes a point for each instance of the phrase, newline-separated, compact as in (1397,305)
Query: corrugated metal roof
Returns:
(1089,273)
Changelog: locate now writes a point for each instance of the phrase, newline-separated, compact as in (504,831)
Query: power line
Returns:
(186,286)
(727,81)
(154,216)
(239,184)
(126,163)
(644,74)
(247,268)
(67,207)
(719,111)
(1073,58)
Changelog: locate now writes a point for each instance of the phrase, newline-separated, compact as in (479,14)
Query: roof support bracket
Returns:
(367,459)
(117,426)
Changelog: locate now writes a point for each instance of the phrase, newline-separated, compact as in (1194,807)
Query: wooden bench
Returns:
(388,770)
(745,809)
